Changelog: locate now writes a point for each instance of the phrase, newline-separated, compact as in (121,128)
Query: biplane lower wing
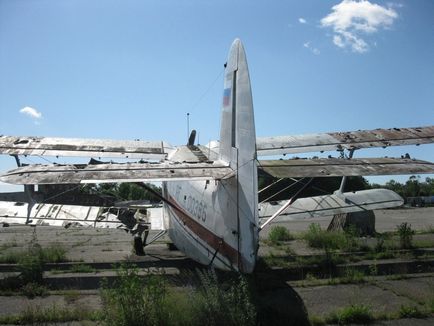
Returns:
(332,167)
(66,215)
(48,146)
(344,140)
(337,203)
(116,172)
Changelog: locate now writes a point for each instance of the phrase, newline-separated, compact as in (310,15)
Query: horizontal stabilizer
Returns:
(344,140)
(126,172)
(47,146)
(332,204)
(333,167)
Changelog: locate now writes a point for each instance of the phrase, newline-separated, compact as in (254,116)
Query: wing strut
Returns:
(28,190)
(284,207)
(344,178)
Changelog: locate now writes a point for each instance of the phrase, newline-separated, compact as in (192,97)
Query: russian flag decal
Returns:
(226,96)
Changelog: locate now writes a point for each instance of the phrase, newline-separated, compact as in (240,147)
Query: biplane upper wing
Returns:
(332,167)
(344,140)
(48,146)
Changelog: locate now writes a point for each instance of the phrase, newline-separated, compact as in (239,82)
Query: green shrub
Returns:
(224,306)
(31,267)
(317,238)
(278,234)
(405,235)
(54,314)
(53,254)
(132,301)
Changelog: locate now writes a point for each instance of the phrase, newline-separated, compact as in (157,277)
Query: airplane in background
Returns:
(210,193)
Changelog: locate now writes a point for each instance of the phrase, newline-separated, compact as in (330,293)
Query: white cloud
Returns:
(301,20)
(350,19)
(314,50)
(31,112)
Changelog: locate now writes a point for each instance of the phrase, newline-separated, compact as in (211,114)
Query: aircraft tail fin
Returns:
(238,148)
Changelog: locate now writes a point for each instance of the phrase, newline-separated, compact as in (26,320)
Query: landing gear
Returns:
(171,246)
(139,243)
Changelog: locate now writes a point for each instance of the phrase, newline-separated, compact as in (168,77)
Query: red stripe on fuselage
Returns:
(214,241)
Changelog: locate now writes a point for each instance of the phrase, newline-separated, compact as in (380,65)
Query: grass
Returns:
(137,301)
(51,254)
(53,314)
(428,243)
(363,314)
(82,268)
(353,314)
(275,260)
(78,268)
(71,296)
(352,276)
(405,235)
(412,312)
(429,229)
(30,264)
(218,305)
(133,302)
(430,306)
(31,290)
(279,234)
(8,245)
(330,240)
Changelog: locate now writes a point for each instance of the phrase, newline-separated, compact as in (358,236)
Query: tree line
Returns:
(415,186)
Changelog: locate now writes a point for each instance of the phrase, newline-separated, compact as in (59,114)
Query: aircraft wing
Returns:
(134,149)
(344,140)
(116,172)
(87,216)
(327,205)
(332,167)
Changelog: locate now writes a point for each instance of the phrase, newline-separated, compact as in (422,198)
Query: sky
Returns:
(133,69)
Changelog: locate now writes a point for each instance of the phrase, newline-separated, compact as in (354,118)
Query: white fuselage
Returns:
(199,222)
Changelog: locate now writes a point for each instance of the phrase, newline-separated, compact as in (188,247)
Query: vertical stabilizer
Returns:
(238,148)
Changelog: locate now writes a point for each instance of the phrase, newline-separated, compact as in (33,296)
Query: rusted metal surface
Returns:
(48,146)
(343,167)
(344,140)
(127,172)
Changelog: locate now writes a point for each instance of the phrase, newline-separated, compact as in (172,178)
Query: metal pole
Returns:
(188,125)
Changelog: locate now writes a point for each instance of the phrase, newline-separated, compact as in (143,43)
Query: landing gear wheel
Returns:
(171,246)
(138,246)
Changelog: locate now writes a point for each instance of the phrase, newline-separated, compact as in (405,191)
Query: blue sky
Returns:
(133,69)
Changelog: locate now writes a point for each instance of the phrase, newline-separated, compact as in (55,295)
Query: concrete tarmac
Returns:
(382,294)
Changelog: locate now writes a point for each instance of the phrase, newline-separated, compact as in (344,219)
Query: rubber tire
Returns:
(138,246)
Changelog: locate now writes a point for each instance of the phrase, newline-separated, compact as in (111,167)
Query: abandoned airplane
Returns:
(210,193)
